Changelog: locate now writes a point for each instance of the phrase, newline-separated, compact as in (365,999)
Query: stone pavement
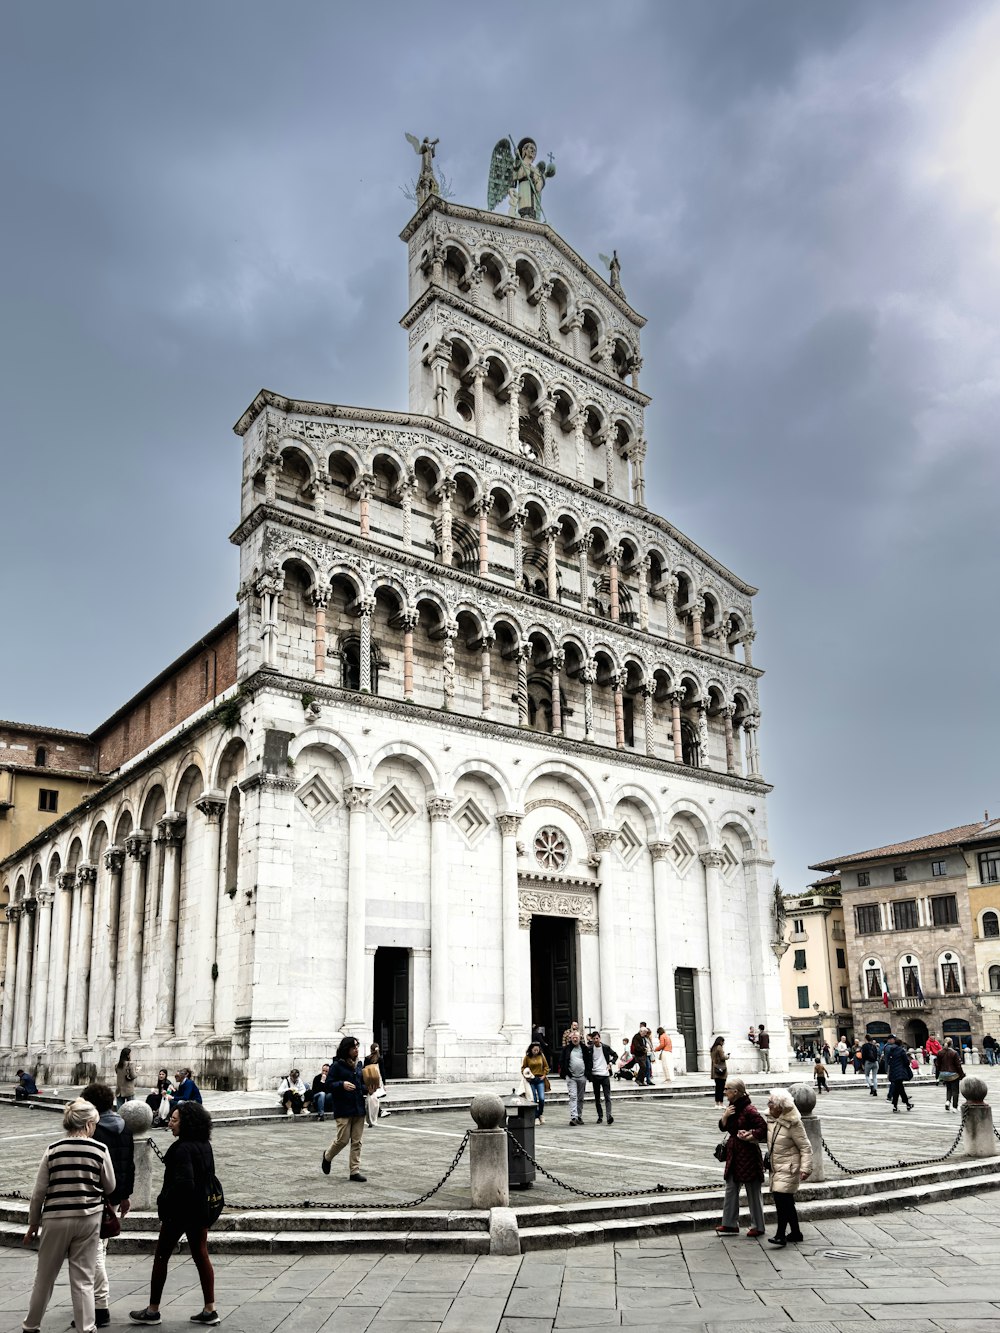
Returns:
(924,1270)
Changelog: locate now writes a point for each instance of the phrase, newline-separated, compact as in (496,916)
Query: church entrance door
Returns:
(554,993)
(687,1024)
(391,1016)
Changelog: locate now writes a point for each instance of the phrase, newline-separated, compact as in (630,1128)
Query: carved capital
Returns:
(439,807)
(365,606)
(484,505)
(518,518)
(614,556)
(212,805)
(114,859)
(558,660)
(66,880)
(320,597)
(364,486)
(712,858)
(137,845)
(86,874)
(677,697)
(30,907)
(357,798)
(170,830)
(605,838)
(408,621)
(13,914)
(509,823)
(45,897)
(660,851)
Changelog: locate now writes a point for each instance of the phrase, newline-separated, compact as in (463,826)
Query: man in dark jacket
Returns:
(347,1093)
(640,1050)
(576,1065)
(869,1060)
(602,1057)
(113,1132)
(897,1067)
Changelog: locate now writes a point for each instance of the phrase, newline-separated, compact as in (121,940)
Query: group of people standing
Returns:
(788,1161)
(85,1181)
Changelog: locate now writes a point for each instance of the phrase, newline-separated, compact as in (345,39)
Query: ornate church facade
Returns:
(489,757)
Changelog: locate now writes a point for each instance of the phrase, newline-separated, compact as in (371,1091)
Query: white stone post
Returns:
(39,1009)
(137,847)
(513,1018)
(488,1153)
(712,860)
(64,952)
(357,799)
(106,961)
(663,935)
(439,810)
(605,840)
(86,876)
(212,805)
(170,836)
(977,1118)
(13,915)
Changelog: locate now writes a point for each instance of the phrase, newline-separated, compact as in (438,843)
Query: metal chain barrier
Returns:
(607,1194)
(920,1161)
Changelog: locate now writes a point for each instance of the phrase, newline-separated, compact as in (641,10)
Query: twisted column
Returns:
(405,491)
(669,586)
(550,448)
(366,606)
(647,719)
(523,657)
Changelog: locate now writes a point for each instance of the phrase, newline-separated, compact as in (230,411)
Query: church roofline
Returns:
(435,204)
(413,420)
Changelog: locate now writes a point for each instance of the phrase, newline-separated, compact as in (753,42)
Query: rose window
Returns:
(551,851)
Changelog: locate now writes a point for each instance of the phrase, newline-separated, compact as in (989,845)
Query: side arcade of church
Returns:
(488,752)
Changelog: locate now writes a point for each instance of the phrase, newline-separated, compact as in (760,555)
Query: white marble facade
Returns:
(481,690)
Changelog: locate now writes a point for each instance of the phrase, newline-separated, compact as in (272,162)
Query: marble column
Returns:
(583,551)
(618,688)
(357,799)
(61,991)
(514,414)
(703,737)
(697,621)
(170,835)
(552,571)
(448,636)
(26,988)
(409,622)
(647,719)
(605,840)
(523,658)
(578,421)
(550,448)
(644,566)
(750,725)
(558,661)
(212,805)
(712,860)
(676,697)
(320,598)
(404,492)
(439,809)
(614,558)
(483,511)
(366,609)
(726,713)
(669,587)
(137,847)
(446,490)
(663,934)
(317,492)
(748,639)
(269,588)
(13,915)
(86,876)
(106,983)
(485,647)
(517,521)
(364,488)
(478,373)
(513,1017)
(588,675)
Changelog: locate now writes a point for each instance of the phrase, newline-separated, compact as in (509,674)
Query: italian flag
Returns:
(885,991)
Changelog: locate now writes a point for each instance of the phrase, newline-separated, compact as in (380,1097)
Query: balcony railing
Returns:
(910,1002)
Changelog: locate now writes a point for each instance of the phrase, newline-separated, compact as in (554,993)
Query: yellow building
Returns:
(981,855)
(815,983)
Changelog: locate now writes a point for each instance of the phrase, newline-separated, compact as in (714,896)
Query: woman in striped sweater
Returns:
(73,1178)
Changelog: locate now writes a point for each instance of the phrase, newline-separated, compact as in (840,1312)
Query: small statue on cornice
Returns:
(614,264)
(427,182)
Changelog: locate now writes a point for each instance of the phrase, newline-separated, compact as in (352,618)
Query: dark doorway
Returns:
(916,1032)
(391,1010)
(687,1024)
(553,976)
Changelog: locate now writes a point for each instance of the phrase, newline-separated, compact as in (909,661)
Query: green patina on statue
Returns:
(514,173)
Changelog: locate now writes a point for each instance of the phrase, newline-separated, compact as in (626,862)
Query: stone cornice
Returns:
(267,678)
(503,222)
(414,421)
(550,351)
(273,512)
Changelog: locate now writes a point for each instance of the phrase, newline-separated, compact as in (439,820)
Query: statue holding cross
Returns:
(515,173)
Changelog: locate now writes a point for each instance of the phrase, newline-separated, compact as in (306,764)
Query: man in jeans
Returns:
(576,1064)
(869,1061)
(601,1059)
(764,1046)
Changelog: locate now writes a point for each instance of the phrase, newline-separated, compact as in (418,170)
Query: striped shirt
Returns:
(73,1178)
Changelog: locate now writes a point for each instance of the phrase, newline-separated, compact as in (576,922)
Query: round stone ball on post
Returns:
(488,1152)
(139,1119)
(804,1097)
(977,1120)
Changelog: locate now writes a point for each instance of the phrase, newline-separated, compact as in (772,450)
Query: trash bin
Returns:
(520,1127)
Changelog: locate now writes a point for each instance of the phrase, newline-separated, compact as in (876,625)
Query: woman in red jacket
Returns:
(746,1128)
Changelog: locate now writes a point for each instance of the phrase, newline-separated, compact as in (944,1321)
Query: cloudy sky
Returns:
(203,199)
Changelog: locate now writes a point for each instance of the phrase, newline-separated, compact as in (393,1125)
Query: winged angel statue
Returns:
(614,264)
(427,183)
(513,173)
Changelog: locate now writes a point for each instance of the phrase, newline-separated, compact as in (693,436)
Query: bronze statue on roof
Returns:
(515,173)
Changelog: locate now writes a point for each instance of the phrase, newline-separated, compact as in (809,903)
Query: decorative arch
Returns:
(491,774)
(326,739)
(419,758)
(574,778)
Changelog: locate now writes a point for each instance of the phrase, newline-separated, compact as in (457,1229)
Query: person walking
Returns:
(74,1175)
(116,1136)
(820,1074)
(641,1052)
(950,1072)
(791,1162)
(744,1166)
(348,1090)
(125,1077)
(182,1207)
(843,1054)
(665,1052)
(990,1049)
(719,1067)
(869,1064)
(933,1048)
(601,1059)
(897,1067)
(764,1047)
(575,1063)
(535,1071)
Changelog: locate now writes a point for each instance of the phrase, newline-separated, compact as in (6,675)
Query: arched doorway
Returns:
(916,1032)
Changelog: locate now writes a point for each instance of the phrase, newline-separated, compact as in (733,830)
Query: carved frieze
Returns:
(552,901)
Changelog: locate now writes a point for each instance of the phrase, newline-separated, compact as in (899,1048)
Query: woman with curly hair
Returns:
(182,1207)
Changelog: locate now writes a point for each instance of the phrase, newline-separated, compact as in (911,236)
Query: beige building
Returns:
(815,985)
(922,921)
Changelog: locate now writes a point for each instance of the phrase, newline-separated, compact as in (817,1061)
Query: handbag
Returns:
(110,1224)
(949,1077)
(766,1162)
(215,1201)
(719,1151)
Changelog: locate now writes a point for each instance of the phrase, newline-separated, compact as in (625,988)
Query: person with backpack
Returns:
(897,1067)
(116,1136)
(184,1209)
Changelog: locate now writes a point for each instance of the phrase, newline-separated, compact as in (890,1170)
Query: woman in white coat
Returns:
(791,1162)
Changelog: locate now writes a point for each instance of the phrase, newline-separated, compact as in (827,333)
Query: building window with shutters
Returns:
(949,979)
(867,919)
(864,879)
(803,997)
(989,867)
(841,958)
(991,926)
(48,801)
(911,980)
(800,960)
(873,982)
(899,874)
(944,911)
(904,915)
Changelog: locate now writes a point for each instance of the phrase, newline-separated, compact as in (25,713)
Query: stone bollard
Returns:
(139,1119)
(979,1138)
(804,1098)
(488,1153)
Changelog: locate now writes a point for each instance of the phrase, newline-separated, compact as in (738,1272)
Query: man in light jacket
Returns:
(575,1064)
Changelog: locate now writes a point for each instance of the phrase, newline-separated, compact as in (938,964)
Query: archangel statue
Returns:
(616,271)
(426,182)
(514,173)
